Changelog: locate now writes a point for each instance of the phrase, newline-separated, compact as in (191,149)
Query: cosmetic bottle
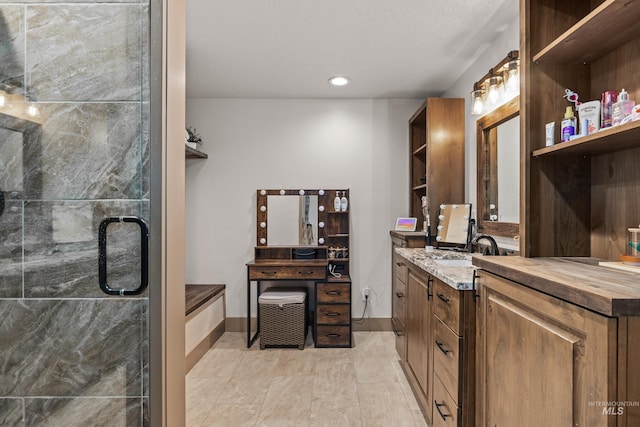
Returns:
(336,202)
(344,203)
(609,97)
(622,108)
(568,124)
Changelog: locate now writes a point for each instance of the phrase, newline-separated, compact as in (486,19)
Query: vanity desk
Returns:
(302,237)
(279,264)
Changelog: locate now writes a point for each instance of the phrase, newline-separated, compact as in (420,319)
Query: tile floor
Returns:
(360,386)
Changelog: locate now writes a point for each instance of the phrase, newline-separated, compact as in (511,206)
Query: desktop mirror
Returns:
(498,169)
(453,224)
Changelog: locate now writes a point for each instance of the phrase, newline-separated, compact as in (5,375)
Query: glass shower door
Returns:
(74,150)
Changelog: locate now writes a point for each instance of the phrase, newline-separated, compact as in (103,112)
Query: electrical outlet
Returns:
(365,294)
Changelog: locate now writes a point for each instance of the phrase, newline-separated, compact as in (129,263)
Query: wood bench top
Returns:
(197,295)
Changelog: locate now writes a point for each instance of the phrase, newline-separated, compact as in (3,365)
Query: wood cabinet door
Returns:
(541,361)
(420,335)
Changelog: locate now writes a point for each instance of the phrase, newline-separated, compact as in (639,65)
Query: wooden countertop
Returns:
(323,262)
(578,280)
(420,235)
(197,295)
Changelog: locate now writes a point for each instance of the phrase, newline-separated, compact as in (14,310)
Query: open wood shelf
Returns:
(419,187)
(608,140)
(192,153)
(420,150)
(587,41)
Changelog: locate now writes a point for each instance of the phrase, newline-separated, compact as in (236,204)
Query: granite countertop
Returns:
(458,277)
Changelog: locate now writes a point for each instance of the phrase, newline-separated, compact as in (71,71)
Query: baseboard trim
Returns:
(201,349)
(239,324)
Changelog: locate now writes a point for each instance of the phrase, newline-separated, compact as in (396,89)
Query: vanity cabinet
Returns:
(419,333)
(439,361)
(580,196)
(401,239)
(557,343)
(548,357)
(454,356)
(436,146)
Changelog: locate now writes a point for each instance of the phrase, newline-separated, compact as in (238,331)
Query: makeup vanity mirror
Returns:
(292,220)
(498,192)
(301,218)
(453,224)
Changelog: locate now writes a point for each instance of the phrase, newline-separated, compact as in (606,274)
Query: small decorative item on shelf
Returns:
(193,139)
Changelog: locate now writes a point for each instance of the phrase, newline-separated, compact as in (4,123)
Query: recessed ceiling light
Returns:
(339,81)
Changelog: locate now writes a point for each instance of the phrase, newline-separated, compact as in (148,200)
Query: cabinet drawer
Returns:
(447,305)
(399,305)
(446,358)
(445,411)
(333,336)
(399,287)
(400,268)
(401,341)
(286,272)
(333,292)
(333,314)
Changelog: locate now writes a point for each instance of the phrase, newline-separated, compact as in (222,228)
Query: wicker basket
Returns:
(283,325)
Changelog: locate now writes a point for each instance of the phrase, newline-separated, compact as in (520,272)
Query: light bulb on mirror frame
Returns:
(477,102)
(512,78)
(494,94)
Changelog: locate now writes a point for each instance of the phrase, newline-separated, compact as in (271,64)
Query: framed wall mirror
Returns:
(498,191)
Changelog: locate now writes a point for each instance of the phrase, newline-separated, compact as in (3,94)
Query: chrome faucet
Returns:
(492,242)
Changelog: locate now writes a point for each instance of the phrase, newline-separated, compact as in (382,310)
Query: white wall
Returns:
(310,143)
(269,143)
(503,43)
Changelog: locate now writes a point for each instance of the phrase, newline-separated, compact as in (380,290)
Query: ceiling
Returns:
(290,48)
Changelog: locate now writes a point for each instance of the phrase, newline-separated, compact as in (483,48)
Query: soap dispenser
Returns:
(622,108)
(336,202)
(344,203)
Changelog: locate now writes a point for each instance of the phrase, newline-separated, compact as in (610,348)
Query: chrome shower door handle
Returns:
(144,256)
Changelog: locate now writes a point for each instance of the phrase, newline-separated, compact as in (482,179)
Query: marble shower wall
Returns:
(70,354)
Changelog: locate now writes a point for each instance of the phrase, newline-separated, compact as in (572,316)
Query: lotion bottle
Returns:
(336,202)
(568,124)
(344,203)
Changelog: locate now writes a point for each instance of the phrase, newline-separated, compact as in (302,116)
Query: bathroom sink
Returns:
(454,262)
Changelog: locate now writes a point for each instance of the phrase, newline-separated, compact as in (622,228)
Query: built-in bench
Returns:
(205,320)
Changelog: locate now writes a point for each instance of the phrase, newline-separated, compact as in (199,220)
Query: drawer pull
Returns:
(443,298)
(399,294)
(398,333)
(441,347)
(332,292)
(306,272)
(333,335)
(400,264)
(438,405)
(269,273)
(332,314)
